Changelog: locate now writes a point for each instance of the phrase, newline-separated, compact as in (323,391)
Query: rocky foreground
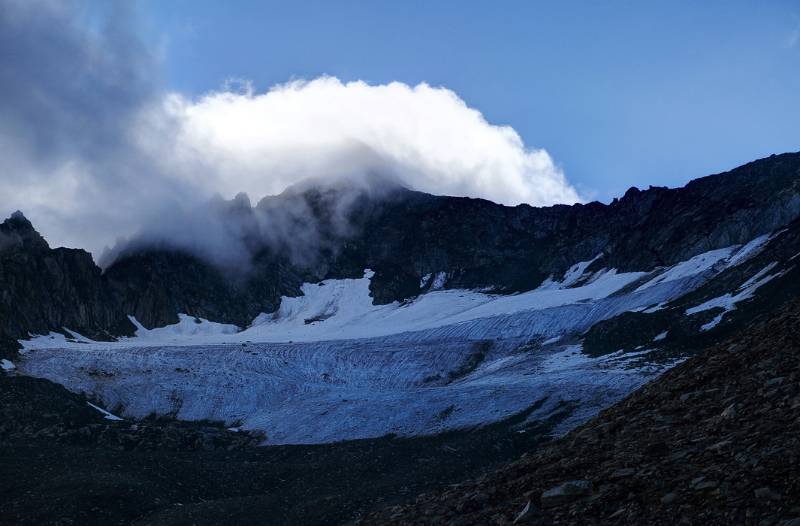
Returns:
(33,409)
(716,440)
(63,462)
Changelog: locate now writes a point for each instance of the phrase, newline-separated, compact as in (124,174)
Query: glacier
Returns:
(329,365)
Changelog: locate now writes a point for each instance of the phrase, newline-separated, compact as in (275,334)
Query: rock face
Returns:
(155,286)
(44,289)
(713,441)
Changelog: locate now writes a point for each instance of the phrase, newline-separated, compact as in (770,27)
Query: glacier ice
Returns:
(329,365)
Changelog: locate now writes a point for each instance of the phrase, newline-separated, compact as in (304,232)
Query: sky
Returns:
(619,93)
(115,116)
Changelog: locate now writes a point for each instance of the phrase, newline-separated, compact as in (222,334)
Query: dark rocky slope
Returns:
(62,463)
(714,441)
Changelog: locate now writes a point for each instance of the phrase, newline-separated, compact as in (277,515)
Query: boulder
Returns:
(566,492)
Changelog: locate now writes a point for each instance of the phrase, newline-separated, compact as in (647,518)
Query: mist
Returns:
(100,154)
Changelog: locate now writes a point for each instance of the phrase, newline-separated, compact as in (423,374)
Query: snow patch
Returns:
(7,365)
(106,414)
(575,272)
(660,336)
(77,336)
(46,341)
(713,323)
(571,276)
(650,309)
(721,259)
(343,309)
(424,280)
(339,309)
(728,301)
(439,281)
(750,249)
(189,327)
(696,265)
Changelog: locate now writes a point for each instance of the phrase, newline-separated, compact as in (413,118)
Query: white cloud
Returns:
(426,136)
(794,37)
(94,146)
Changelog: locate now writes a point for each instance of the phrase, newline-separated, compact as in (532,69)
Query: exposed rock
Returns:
(44,289)
(765,494)
(528,514)
(669,498)
(730,412)
(566,492)
(17,233)
(622,473)
(32,407)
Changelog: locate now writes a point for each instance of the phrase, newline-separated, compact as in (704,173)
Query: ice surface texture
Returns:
(330,365)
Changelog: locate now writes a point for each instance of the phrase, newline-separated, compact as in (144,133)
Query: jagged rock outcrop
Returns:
(481,244)
(44,289)
(154,286)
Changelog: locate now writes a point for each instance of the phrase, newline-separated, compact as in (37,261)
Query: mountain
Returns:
(404,236)
(432,312)
(381,342)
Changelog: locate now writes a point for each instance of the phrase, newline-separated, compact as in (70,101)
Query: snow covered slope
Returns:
(330,365)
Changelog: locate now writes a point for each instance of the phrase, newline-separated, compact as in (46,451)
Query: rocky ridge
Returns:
(404,236)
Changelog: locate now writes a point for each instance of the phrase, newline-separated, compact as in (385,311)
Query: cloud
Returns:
(426,136)
(95,147)
(80,115)
(794,37)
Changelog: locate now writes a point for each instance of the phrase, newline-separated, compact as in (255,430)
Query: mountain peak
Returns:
(376,184)
(17,232)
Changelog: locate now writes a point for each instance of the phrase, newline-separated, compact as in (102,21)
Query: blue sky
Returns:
(620,94)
